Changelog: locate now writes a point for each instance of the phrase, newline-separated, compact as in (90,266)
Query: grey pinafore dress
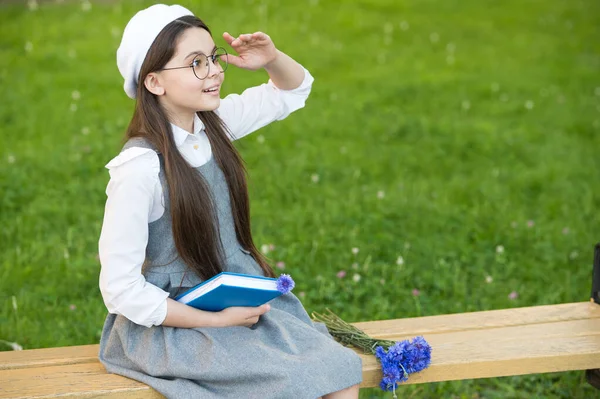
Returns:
(285,355)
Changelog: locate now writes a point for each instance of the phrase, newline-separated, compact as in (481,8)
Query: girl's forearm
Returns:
(184,316)
(285,73)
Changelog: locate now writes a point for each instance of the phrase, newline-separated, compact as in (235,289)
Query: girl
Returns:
(177,213)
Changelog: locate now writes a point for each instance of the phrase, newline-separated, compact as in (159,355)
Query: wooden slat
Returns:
(465,346)
(49,357)
(480,320)
(85,380)
(504,351)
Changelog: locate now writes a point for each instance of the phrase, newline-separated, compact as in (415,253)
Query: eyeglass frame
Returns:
(212,58)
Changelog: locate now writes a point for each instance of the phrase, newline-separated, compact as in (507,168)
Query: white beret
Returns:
(138,36)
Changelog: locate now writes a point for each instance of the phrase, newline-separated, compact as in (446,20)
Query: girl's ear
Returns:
(153,84)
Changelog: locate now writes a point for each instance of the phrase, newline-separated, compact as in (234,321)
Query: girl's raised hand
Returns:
(255,50)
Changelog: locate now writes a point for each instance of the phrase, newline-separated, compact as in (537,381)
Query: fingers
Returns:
(228,38)
(234,60)
(244,39)
(262,309)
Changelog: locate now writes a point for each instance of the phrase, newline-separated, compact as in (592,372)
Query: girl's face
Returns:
(184,91)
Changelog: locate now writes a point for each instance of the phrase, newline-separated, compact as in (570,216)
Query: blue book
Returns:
(230,289)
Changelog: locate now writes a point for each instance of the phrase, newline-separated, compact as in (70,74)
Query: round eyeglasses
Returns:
(201,63)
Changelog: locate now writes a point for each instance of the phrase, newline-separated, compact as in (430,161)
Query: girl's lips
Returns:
(211,93)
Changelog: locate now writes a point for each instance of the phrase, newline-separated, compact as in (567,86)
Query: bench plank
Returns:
(484,344)
(49,357)
(480,320)
(85,380)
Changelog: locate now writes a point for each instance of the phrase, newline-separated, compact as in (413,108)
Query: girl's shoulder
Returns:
(135,162)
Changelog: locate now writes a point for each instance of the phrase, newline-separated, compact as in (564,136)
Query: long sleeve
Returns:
(122,246)
(258,106)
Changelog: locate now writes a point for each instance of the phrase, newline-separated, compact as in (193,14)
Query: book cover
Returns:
(228,289)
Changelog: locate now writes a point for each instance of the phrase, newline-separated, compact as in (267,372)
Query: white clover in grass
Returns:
(504,97)
(73,107)
(466,105)
(15,346)
(495,172)
(495,87)
(529,104)
(66,253)
(400,261)
(380,194)
(382,281)
(72,53)
(597,121)
(356,277)
(450,59)
(115,32)
(260,138)
(489,279)
(404,25)
(85,130)
(32,5)
(314,3)
(355,266)
(314,178)
(388,28)
(343,150)
(499,249)
(434,37)
(28,47)
(574,255)
(75,95)
(597,91)
(407,245)
(450,47)
(86,5)
(264,249)
(11,159)
(355,250)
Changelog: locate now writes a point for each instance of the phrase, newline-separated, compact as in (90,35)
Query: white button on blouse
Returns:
(134,197)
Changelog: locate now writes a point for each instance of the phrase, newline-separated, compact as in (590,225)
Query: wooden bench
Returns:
(497,343)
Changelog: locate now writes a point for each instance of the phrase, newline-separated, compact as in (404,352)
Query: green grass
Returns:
(472,118)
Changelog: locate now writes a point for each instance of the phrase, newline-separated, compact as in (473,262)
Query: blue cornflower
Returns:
(285,283)
(420,355)
(393,372)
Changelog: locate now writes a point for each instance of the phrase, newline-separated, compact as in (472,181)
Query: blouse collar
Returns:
(180,134)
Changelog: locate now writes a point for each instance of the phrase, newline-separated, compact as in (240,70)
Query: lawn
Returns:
(446,161)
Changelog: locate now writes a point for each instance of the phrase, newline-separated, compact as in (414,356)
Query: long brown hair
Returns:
(193,212)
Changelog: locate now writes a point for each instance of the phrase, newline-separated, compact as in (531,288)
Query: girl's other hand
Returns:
(255,50)
(241,315)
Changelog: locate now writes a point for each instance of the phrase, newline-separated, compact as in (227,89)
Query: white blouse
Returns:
(134,197)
